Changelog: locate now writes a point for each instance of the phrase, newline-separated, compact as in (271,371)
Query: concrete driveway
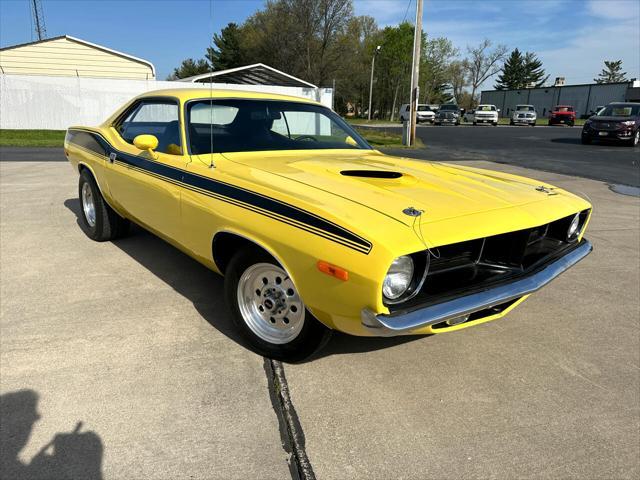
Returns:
(132,339)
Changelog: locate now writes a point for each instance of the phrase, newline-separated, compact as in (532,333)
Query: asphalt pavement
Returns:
(119,358)
(552,149)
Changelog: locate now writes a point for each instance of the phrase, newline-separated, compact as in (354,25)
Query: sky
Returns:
(571,37)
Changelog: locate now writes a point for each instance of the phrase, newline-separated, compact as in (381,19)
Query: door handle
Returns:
(112,157)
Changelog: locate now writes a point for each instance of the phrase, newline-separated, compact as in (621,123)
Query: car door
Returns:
(147,184)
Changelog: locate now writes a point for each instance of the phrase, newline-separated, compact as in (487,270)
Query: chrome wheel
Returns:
(88,205)
(269,303)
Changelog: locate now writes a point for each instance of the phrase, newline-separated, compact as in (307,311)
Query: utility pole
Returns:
(415,72)
(38,19)
(373,63)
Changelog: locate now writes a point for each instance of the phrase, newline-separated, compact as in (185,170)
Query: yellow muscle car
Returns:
(312,228)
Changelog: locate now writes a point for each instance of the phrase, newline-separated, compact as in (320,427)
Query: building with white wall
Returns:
(584,98)
(67,56)
(65,81)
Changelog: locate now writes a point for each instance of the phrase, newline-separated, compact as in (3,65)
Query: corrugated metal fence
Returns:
(55,103)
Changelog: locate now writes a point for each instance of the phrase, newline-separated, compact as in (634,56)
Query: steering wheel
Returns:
(306,137)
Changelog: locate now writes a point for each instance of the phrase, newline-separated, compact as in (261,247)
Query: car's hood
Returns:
(441,191)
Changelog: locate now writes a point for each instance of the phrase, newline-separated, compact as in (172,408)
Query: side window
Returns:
(407,109)
(157,118)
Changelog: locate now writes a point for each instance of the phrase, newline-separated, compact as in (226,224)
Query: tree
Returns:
(438,55)
(482,63)
(355,46)
(521,71)
(512,76)
(227,52)
(534,74)
(457,74)
(612,73)
(189,68)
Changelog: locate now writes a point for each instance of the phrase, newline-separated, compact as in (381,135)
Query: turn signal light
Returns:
(332,270)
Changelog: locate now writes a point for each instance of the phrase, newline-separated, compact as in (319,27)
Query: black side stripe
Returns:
(232,194)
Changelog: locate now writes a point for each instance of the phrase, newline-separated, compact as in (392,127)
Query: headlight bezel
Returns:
(420,269)
(574,233)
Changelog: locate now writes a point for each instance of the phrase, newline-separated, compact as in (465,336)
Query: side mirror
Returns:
(147,143)
(350,141)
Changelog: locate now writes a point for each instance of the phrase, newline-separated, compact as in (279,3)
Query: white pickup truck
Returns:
(423,113)
(484,113)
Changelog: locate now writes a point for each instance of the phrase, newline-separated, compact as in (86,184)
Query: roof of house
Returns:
(256,74)
(84,42)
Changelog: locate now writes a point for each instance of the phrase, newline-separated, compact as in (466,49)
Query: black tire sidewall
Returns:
(312,336)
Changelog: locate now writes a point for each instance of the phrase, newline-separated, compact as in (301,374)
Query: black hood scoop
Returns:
(371,174)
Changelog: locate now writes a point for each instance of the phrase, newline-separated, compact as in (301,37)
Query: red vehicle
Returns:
(562,114)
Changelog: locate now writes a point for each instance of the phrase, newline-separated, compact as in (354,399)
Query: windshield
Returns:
(452,107)
(423,108)
(563,109)
(486,108)
(620,111)
(524,108)
(235,125)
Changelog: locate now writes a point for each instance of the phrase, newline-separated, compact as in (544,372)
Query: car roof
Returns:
(186,94)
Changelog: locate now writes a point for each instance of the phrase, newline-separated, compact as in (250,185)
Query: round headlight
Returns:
(398,278)
(574,228)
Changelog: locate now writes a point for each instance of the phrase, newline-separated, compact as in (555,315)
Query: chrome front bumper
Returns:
(390,325)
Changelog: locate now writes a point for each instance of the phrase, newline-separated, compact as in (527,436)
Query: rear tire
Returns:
(270,315)
(585,140)
(511,123)
(475,124)
(101,223)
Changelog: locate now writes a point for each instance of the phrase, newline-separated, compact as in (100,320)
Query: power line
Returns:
(406,11)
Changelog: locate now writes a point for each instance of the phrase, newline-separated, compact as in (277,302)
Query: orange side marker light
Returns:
(332,270)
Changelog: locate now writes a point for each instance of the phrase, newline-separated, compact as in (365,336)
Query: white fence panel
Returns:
(55,103)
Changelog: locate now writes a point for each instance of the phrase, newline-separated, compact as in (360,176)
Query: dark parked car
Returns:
(562,114)
(448,114)
(617,121)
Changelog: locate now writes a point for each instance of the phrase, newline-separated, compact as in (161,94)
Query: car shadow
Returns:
(572,141)
(205,289)
(75,454)
(578,141)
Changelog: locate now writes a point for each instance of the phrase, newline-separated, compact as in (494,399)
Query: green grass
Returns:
(32,138)
(364,121)
(383,139)
(540,121)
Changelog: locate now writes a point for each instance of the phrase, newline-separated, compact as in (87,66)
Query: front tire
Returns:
(635,140)
(267,309)
(585,139)
(101,223)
